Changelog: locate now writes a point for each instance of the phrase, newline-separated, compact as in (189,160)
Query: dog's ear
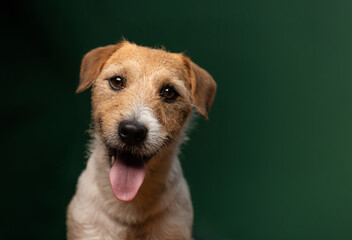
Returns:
(203,88)
(92,64)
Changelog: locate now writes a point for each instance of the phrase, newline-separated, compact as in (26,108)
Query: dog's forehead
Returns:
(147,61)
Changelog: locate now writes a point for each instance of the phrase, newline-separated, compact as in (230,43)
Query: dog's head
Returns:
(141,99)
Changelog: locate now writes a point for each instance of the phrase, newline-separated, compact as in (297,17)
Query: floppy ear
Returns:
(92,64)
(203,89)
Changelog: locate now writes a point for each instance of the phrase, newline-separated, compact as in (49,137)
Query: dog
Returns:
(142,102)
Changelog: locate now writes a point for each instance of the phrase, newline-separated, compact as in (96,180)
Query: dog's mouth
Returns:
(127,173)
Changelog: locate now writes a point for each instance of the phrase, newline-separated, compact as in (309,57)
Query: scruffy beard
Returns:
(145,151)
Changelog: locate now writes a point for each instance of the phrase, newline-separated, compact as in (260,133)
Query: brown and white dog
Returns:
(133,186)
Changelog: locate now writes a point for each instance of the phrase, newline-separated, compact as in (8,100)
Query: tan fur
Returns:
(162,208)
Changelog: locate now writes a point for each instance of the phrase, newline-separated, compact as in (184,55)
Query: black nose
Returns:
(132,132)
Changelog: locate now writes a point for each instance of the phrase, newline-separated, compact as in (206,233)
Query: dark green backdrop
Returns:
(273,162)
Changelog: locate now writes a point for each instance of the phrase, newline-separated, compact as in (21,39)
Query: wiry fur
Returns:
(162,208)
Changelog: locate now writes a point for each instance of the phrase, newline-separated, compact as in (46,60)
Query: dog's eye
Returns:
(117,82)
(168,94)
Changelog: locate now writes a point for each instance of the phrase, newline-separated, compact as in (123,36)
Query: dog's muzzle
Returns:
(127,169)
(130,154)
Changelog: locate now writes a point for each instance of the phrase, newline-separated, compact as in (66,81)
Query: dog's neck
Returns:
(163,175)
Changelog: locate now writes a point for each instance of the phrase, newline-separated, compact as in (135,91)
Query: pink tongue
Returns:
(126,179)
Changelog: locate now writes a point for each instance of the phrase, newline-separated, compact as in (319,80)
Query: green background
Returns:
(273,162)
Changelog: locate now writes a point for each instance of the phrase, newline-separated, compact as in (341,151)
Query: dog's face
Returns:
(141,99)
(145,89)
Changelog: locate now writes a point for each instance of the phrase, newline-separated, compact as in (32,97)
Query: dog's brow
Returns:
(111,70)
(179,84)
(170,77)
(116,68)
